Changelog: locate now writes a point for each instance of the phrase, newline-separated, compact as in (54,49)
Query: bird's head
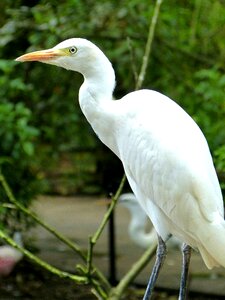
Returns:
(73,54)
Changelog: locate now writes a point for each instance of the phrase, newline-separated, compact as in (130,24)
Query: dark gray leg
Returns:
(160,257)
(186,251)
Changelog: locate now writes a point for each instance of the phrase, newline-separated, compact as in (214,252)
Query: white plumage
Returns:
(137,226)
(164,153)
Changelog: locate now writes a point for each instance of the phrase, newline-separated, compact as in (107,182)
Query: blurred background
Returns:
(47,146)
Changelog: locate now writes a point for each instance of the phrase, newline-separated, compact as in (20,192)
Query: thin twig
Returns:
(106,217)
(62,238)
(148,46)
(30,213)
(40,262)
(132,58)
(136,268)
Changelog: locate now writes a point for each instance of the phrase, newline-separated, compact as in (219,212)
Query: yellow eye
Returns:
(73,50)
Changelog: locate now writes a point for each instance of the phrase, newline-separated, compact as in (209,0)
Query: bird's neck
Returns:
(138,231)
(96,100)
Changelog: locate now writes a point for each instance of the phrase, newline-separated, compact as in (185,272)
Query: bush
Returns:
(16,161)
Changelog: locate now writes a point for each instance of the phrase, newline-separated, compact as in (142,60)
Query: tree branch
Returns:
(62,238)
(148,46)
(40,262)
(137,267)
(106,217)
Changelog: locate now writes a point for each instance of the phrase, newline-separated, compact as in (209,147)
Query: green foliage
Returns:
(219,155)
(210,104)
(17,153)
(16,134)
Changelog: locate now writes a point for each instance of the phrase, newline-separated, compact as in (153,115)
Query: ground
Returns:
(29,282)
(78,218)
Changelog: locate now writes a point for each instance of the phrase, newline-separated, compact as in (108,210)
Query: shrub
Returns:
(17,156)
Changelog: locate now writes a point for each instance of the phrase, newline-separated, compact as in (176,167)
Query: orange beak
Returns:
(42,55)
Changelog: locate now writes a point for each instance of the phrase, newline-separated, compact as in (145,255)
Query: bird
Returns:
(165,156)
(139,220)
(10,256)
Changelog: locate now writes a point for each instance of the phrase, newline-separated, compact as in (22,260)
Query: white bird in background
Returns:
(164,153)
(10,256)
(139,220)
(137,226)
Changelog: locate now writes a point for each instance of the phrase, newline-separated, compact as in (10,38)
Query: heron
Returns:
(164,153)
(137,225)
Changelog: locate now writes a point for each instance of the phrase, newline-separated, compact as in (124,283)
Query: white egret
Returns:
(137,225)
(164,153)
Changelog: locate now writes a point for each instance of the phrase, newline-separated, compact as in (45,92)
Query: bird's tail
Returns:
(211,245)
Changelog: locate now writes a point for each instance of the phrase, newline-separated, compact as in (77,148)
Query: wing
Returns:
(166,157)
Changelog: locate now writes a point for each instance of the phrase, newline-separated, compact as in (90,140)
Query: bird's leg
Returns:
(186,252)
(160,257)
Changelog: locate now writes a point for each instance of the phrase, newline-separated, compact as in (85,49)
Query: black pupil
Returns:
(72,50)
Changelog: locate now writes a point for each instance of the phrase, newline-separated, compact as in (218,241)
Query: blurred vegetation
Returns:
(43,134)
(17,152)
